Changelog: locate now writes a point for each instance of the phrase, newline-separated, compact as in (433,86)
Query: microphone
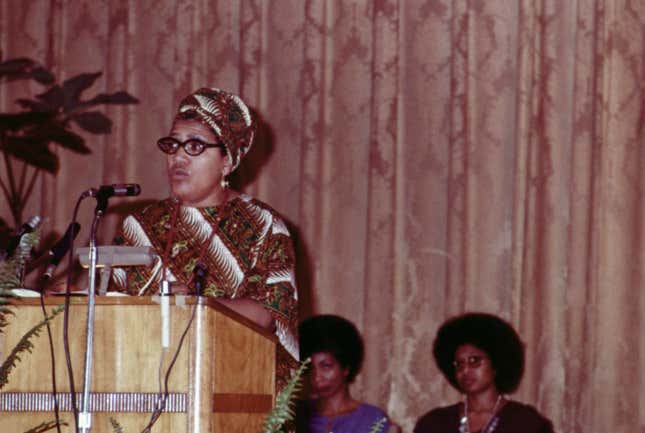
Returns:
(61,248)
(115,190)
(29,226)
(200,275)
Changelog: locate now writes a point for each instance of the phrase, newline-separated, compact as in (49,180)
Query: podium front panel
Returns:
(222,380)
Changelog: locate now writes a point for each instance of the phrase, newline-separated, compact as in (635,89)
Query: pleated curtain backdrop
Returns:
(433,157)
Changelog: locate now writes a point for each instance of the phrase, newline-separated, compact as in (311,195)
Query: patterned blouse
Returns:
(245,246)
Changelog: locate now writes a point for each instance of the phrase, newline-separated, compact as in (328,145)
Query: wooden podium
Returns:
(223,379)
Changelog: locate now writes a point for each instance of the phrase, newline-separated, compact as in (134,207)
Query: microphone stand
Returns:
(85,416)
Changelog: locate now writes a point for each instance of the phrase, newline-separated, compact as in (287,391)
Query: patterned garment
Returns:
(247,251)
(227,116)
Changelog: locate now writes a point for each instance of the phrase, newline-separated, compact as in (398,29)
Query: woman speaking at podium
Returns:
(240,245)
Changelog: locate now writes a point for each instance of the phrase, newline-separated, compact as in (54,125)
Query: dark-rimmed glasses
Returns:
(192,146)
(471,361)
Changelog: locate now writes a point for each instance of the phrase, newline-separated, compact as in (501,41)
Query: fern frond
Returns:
(283,410)
(4,313)
(11,269)
(5,294)
(24,345)
(116,427)
(48,425)
(5,307)
(378,425)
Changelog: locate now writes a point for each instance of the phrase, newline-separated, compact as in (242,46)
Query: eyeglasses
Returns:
(471,361)
(192,146)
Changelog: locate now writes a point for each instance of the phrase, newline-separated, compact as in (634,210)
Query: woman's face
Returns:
(473,370)
(195,180)
(327,377)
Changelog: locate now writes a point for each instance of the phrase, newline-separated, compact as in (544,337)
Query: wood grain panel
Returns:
(225,362)
(237,403)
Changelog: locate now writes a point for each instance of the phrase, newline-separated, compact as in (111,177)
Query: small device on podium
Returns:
(112,255)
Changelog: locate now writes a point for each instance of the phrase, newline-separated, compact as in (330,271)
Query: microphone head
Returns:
(30,225)
(61,247)
(136,189)
(200,270)
(118,190)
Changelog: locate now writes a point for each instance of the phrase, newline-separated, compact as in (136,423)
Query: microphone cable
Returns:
(128,189)
(161,405)
(57,252)
(53,360)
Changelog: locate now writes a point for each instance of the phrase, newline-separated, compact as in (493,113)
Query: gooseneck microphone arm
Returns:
(102,195)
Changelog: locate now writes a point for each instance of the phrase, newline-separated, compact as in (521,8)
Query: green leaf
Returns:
(42,75)
(24,345)
(54,97)
(282,411)
(113,98)
(45,426)
(16,66)
(25,68)
(93,121)
(73,87)
(34,106)
(57,133)
(116,427)
(6,310)
(378,425)
(17,121)
(33,151)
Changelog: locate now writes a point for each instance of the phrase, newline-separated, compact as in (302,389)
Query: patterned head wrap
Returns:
(227,116)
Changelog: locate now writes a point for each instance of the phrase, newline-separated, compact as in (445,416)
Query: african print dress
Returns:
(247,251)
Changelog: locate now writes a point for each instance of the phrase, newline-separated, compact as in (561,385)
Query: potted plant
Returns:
(46,120)
(27,137)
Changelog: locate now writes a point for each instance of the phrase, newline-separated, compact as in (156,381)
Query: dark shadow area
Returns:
(250,167)
(258,156)
(304,271)
(5,233)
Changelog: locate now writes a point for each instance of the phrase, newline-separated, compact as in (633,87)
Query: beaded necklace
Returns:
(490,425)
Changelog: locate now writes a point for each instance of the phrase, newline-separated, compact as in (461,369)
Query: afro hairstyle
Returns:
(335,335)
(490,334)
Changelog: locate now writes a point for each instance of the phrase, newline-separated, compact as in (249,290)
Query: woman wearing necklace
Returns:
(242,246)
(483,357)
(336,351)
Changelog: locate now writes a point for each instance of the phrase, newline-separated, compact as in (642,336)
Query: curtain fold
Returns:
(431,158)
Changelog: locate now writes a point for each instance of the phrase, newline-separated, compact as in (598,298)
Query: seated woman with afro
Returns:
(336,351)
(483,357)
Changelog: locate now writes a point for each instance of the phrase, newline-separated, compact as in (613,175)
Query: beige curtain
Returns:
(432,156)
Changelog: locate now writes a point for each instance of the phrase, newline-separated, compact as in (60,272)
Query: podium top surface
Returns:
(176,300)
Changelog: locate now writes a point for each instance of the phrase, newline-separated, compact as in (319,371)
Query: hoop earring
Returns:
(224,182)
